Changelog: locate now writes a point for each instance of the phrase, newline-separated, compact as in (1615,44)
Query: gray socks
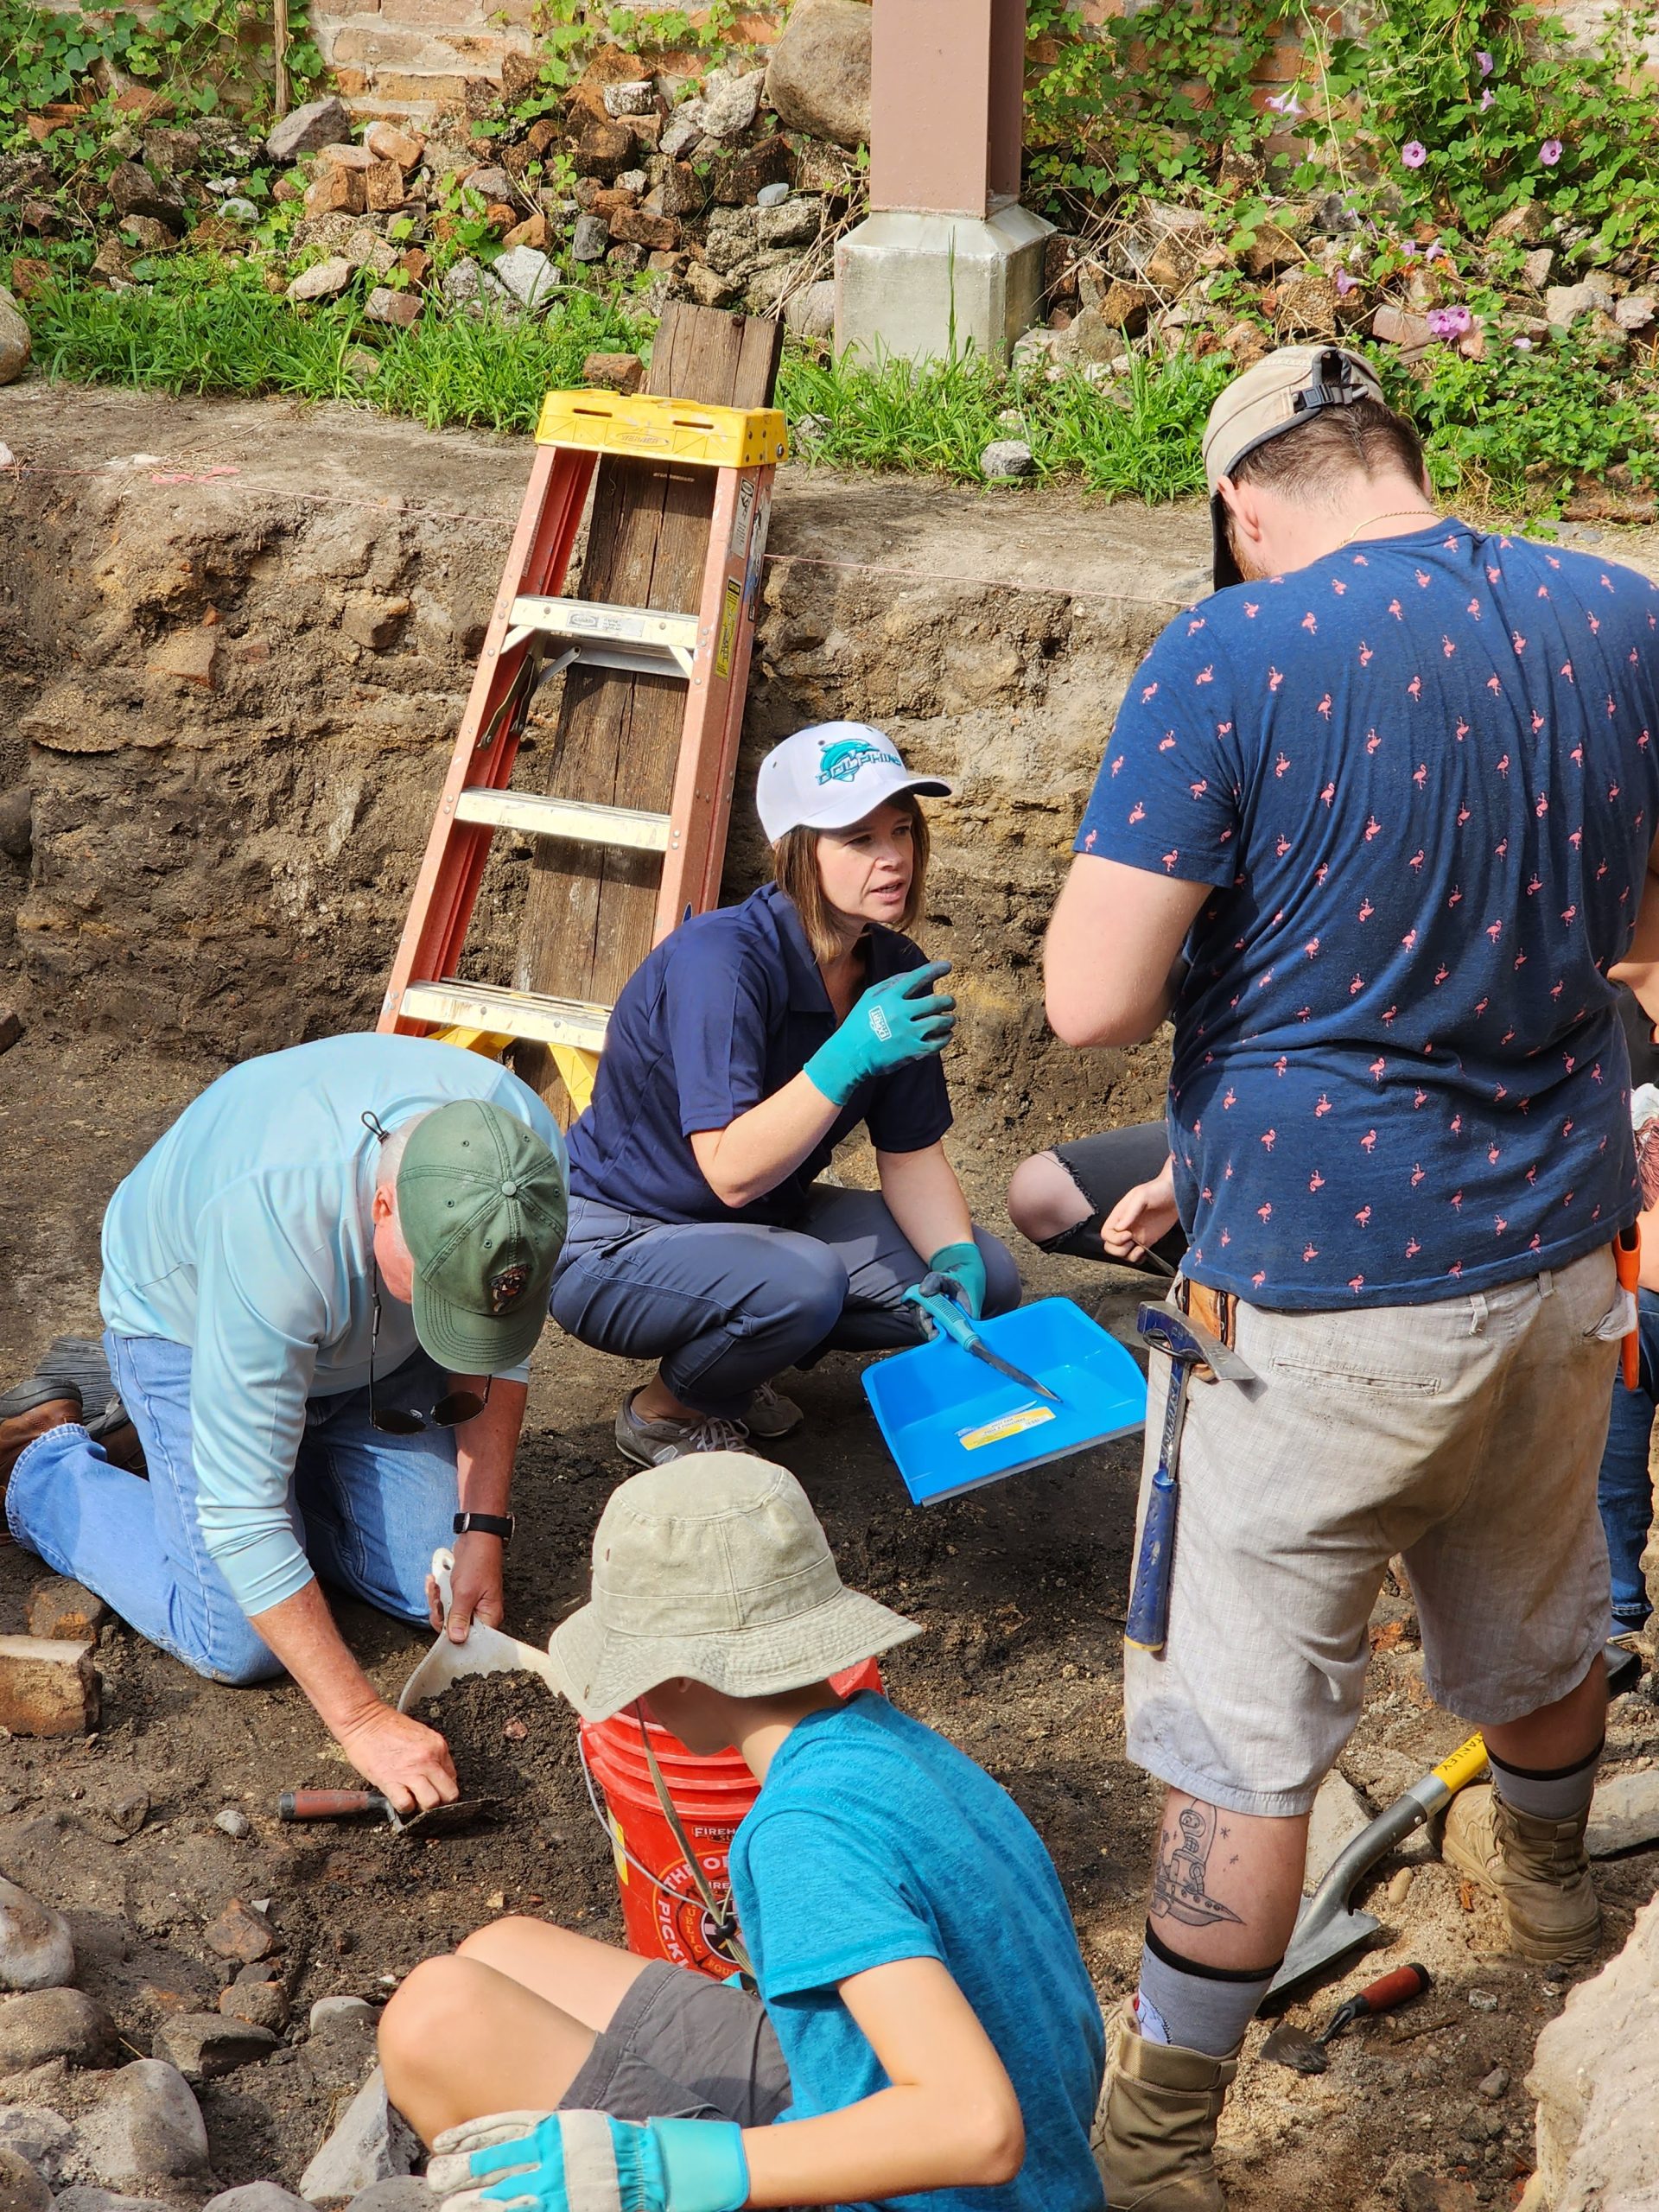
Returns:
(1198,2007)
(1547,1793)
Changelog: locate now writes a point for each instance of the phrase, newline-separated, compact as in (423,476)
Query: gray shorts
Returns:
(1464,1436)
(682,2047)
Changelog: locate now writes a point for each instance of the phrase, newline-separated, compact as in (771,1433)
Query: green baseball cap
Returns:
(481,1204)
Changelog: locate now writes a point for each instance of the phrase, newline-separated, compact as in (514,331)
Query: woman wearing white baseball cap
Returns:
(738,1055)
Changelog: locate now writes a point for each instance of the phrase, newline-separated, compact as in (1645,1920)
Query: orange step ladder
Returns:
(535,634)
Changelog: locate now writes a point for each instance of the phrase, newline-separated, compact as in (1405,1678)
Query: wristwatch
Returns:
(486,1524)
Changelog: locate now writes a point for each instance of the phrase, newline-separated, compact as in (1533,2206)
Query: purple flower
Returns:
(1408,250)
(1487,64)
(1287,105)
(1550,152)
(1414,152)
(1522,345)
(1345,283)
(1486,99)
(1435,253)
(1450,322)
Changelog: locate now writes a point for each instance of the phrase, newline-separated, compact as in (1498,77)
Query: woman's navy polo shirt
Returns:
(723,1014)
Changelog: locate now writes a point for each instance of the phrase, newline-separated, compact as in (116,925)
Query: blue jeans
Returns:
(726,1306)
(1624,1487)
(369,1510)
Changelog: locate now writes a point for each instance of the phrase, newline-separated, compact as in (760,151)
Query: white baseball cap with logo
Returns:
(832,775)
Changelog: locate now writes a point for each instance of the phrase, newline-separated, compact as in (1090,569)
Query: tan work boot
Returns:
(1537,1870)
(1155,2131)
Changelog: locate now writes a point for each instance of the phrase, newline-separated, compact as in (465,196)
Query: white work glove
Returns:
(588,2162)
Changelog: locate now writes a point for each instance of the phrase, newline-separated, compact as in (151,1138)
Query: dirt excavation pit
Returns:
(220,869)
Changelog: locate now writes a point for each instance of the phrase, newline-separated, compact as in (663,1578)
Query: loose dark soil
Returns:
(1020,1588)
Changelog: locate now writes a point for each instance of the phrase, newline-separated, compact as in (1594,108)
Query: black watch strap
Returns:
(486,1524)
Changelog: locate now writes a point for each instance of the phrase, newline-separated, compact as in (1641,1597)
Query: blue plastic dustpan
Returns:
(952,1423)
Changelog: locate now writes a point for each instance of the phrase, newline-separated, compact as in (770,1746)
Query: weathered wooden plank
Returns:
(589,912)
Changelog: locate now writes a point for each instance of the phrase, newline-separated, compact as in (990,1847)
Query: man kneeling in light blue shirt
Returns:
(321,1289)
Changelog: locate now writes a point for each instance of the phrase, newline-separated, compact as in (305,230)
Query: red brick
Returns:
(48,1689)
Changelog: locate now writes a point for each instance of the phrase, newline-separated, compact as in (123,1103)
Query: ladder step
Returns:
(645,628)
(510,1014)
(578,820)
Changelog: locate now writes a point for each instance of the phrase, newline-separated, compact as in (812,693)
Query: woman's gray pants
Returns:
(726,1306)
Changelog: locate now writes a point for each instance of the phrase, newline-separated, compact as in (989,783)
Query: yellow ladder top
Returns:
(664,430)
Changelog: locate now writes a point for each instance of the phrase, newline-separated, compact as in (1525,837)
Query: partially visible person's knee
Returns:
(1043,1199)
(500,1943)
(237,1656)
(1003,1288)
(415,2026)
(795,1303)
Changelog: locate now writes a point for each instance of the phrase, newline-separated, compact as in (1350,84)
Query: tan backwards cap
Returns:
(1275,395)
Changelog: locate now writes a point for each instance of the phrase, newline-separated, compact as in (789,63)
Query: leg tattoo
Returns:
(1180,1875)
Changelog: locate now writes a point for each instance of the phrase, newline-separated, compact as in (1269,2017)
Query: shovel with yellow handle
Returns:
(1329,1928)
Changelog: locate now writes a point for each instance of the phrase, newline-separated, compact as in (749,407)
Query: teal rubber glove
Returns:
(959,1269)
(588,2162)
(893,1023)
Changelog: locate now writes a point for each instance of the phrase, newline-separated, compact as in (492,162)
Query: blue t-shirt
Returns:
(874,1841)
(723,1014)
(1422,775)
(244,1234)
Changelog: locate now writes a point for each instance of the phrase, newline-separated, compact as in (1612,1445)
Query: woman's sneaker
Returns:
(770,1414)
(653,1443)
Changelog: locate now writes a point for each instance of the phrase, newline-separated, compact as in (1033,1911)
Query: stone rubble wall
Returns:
(230,699)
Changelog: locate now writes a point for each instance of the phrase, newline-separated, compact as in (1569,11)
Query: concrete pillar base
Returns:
(900,276)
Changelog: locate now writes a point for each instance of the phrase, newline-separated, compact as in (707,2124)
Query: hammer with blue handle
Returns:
(1186,1346)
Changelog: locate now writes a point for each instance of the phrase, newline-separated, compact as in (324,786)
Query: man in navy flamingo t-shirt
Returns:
(1372,827)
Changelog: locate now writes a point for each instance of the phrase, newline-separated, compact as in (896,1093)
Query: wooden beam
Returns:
(589,912)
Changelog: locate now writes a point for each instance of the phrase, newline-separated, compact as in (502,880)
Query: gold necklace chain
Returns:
(1390,514)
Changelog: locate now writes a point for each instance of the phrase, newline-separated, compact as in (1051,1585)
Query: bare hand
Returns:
(1141,1217)
(474,1586)
(407,1761)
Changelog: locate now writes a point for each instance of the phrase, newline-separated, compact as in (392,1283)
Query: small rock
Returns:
(261,2004)
(633,180)
(789,222)
(259,1970)
(14,339)
(1126,306)
(1528,224)
(1008,457)
(388,143)
(602,148)
(1400,1886)
(48,1686)
(1483,2000)
(237,210)
(1624,1813)
(256,2196)
(530,276)
(1306,305)
(818,76)
(132,193)
(683,131)
(147,235)
(118,1819)
(623,372)
(186,656)
(306,130)
(51,2023)
(1635,311)
(325,280)
(1537,269)
(1565,303)
(772,195)
(147,2128)
(34,2133)
(1495,2084)
(204,2046)
(1339,1814)
(1394,327)
(490,182)
(730,101)
(370,2142)
(401,309)
(1273,248)
(234,1822)
(36,1950)
(21,2188)
(12,1027)
(398,2192)
(532,231)
(241,1932)
(637,97)
(16,831)
(589,238)
(329,2011)
(810,312)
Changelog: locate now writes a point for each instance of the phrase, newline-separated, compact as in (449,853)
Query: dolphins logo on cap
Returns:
(840,762)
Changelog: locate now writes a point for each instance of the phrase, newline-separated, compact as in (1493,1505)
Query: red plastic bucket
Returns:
(661,1912)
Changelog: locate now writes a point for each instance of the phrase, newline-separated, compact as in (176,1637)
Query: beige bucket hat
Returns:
(1275,395)
(714,1566)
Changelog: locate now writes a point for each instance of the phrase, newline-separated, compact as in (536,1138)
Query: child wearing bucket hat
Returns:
(738,1055)
(923,2019)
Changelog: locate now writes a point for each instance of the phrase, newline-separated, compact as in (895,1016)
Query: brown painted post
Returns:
(947,77)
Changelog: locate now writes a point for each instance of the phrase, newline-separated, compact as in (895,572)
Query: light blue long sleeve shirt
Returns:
(246,1234)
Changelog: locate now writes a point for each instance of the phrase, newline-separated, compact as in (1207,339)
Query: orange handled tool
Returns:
(1627,1258)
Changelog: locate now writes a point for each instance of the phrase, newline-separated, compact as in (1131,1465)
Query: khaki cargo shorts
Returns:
(1466,1436)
